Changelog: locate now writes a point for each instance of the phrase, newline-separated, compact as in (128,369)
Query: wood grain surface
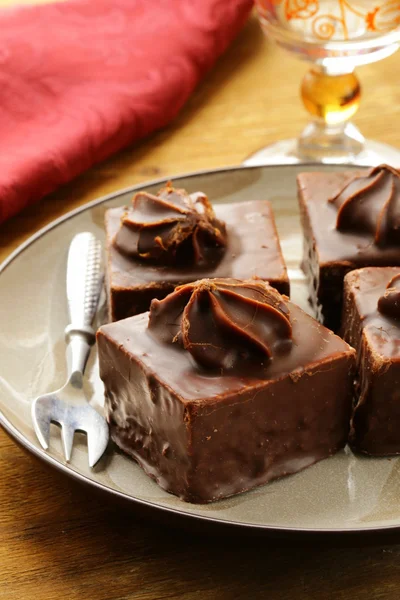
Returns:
(58,540)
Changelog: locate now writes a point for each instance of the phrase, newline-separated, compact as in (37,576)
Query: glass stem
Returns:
(332,99)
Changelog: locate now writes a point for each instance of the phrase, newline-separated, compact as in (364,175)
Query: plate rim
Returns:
(70,472)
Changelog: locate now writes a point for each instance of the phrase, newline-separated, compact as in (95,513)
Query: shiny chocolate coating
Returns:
(375,427)
(330,253)
(204,434)
(389,302)
(252,250)
(370,203)
(224,323)
(171,227)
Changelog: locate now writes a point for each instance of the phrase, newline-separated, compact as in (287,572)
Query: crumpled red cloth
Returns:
(81,79)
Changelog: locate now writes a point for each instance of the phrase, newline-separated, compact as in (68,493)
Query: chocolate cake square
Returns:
(371,324)
(225,386)
(252,249)
(350,220)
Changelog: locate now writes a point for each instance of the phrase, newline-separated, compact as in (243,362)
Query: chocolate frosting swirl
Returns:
(389,303)
(224,323)
(370,204)
(171,227)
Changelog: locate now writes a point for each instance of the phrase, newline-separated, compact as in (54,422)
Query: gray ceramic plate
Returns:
(343,493)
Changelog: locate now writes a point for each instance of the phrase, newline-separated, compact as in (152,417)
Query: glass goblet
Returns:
(336,36)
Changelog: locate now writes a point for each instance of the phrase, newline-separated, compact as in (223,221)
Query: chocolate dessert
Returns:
(173,238)
(349,221)
(223,386)
(371,323)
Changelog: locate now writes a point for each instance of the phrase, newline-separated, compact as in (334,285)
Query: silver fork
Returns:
(68,406)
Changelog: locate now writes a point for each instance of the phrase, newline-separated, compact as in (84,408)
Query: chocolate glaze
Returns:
(171,227)
(205,435)
(389,302)
(375,427)
(224,323)
(328,252)
(370,203)
(252,249)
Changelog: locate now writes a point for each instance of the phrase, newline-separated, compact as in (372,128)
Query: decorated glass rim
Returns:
(376,40)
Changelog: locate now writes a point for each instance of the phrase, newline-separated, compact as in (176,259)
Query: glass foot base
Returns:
(285,152)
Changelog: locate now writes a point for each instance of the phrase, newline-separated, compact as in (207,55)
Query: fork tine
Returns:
(97,437)
(41,421)
(67,436)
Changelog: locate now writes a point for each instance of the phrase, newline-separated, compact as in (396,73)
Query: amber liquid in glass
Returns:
(334,99)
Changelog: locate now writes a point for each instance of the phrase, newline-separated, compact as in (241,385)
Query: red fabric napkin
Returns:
(81,79)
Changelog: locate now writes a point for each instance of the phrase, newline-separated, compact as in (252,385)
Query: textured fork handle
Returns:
(84,280)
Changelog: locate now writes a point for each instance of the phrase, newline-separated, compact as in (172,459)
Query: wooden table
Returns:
(60,541)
